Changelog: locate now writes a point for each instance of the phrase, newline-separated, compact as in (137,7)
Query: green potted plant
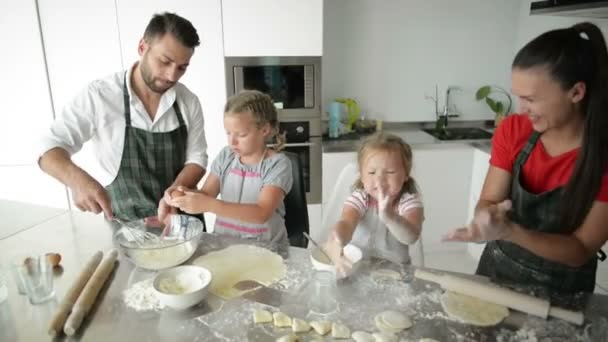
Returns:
(498,107)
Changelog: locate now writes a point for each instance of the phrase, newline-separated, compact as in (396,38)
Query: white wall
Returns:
(388,54)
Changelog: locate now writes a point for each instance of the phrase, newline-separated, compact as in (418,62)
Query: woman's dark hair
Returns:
(571,55)
(178,27)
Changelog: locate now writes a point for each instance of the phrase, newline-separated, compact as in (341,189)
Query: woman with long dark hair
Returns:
(544,205)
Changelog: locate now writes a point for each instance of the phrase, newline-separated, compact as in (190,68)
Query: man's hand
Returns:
(89,195)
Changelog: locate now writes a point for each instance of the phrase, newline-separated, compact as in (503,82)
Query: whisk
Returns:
(139,236)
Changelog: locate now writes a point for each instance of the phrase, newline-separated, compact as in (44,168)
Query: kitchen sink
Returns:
(459,133)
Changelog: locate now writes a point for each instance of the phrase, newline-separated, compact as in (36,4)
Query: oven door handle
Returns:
(298,144)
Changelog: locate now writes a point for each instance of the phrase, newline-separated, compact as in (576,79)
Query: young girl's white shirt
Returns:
(372,235)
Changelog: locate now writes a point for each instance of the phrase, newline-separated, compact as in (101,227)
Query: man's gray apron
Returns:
(150,162)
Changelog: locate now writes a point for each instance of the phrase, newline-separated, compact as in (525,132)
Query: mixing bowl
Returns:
(175,243)
(182,287)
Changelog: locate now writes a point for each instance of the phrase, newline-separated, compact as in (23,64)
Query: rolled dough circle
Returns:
(472,310)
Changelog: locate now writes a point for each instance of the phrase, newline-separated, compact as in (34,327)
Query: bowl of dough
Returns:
(182,287)
(154,246)
(320,262)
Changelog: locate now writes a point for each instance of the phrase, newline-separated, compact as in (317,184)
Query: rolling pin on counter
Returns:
(499,295)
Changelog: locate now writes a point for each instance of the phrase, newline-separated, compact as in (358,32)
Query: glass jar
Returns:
(323,293)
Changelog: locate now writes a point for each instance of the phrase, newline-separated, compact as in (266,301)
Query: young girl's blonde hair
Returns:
(388,143)
(261,108)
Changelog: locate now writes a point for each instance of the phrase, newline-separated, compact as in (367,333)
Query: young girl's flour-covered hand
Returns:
(334,247)
(402,229)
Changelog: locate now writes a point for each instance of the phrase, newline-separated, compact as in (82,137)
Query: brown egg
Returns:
(53,258)
(177,193)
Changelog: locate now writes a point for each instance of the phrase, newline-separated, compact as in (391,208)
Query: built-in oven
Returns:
(294,83)
(304,139)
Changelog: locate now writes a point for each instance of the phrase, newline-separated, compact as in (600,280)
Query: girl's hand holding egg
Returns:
(193,202)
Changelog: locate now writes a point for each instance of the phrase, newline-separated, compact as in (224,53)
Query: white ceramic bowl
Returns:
(320,263)
(182,287)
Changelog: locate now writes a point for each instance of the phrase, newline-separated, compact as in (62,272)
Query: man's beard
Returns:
(146,75)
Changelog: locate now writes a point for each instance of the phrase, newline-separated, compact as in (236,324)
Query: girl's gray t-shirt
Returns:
(242,183)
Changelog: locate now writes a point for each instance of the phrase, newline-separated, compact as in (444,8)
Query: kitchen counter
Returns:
(77,236)
(410,133)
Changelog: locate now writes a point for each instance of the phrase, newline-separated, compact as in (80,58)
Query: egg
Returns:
(53,258)
(177,193)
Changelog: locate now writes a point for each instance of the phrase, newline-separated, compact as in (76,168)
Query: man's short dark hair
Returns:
(179,27)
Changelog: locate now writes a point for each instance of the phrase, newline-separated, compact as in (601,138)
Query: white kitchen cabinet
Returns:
(26,108)
(205,75)
(82,44)
(481,163)
(332,164)
(444,178)
(273,27)
(314,220)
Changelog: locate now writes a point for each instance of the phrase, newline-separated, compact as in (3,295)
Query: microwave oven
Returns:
(294,83)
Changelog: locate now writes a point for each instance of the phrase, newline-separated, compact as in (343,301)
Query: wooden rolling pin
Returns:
(89,294)
(502,296)
(56,324)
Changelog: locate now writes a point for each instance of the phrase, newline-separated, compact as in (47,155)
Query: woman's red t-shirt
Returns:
(541,172)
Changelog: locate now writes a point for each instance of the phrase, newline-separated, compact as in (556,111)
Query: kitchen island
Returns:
(77,236)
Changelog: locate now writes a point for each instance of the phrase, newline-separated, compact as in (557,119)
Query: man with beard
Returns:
(146,129)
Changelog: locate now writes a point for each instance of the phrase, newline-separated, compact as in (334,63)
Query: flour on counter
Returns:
(142,297)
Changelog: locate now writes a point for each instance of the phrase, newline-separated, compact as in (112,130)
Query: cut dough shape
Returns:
(384,337)
(362,336)
(299,325)
(262,316)
(383,327)
(384,274)
(472,310)
(321,327)
(281,320)
(288,338)
(395,320)
(241,262)
(339,331)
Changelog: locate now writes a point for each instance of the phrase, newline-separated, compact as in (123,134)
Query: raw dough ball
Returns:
(241,262)
(281,320)
(362,336)
(392,322)
(385,274)
(321,327)
(472,310)
(396,320)
(262,316)
(288,338)
(299,325)
(339,331)
(385,337)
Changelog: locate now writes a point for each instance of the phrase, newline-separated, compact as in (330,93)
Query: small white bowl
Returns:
(320,263)
(183,286)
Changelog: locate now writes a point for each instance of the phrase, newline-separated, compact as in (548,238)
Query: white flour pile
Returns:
(141,297)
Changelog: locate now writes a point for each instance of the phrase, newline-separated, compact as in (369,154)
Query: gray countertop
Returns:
(411,134)
(77,236)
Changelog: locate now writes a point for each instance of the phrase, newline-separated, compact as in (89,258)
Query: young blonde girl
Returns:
(251,178)
(384,213)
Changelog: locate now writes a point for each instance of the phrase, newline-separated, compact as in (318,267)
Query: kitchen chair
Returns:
(333,210)
(296,211)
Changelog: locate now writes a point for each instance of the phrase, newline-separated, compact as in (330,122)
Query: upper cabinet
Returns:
(205,76)
(273,27)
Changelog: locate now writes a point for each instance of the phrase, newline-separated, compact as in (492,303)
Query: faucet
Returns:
(442,116)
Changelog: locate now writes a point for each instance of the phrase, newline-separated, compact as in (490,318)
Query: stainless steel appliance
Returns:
(294,83)
(304,139)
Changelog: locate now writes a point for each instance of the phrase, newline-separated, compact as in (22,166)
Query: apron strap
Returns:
(126,99)
(525,152)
